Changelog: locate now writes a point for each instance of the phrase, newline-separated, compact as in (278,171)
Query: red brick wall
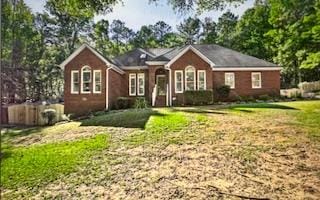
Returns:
(190,58)
(270,81)
(79,104)
(116,87)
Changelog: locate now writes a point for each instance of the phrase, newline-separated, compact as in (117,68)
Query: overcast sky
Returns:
(136,13)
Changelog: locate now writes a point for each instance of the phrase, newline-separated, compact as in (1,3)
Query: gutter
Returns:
(107,88)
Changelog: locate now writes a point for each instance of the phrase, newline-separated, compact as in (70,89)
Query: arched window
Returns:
(85,79)
(190,78)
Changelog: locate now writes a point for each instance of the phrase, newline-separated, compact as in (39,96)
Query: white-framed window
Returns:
(132,84)
(202,80)
(141,84)
(256,79)
(85,79)
(178,78)
(75,82)
(190,78)
(97,81)
(229,79)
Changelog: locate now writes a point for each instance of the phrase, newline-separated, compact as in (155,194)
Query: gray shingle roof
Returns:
(220,56)
(224,57)
(133,58)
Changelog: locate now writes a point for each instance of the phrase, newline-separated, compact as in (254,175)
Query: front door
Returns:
(161,85)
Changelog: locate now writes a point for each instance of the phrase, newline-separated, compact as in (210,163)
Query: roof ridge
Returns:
(145,51)
(174,48)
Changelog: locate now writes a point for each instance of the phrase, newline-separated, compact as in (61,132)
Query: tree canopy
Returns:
(286,32)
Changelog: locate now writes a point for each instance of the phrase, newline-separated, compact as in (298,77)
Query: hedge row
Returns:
(198,97)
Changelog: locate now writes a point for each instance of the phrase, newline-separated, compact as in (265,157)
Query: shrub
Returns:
(247,98)
(223,91)
(265,97)
(198,97)
(140,103)
(238,98)
(49,114)
(123,103)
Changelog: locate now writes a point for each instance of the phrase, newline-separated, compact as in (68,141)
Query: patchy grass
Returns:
(38,164)
(308,118)
(262,150)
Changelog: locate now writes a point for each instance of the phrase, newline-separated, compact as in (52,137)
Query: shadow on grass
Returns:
(243,107)
(199,110)
(17,132)
(133,118)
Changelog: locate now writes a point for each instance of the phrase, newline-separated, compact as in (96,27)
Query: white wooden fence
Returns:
(309,86)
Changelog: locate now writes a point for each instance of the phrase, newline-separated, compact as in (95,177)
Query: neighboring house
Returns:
(94,82)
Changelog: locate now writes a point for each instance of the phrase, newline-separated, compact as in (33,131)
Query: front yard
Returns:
(262,151)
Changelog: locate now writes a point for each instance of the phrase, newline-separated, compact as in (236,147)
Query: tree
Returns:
(17,36)
(294,38)
(145,37)
(226,28)
(250,32)
(86,8)
(209,31)
(100,36)
(183,6)
(190,30)
(121,36)
(68,27)
(160,29)
(157,35)
(172,40)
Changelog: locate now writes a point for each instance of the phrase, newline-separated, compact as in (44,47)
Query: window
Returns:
(141,84)
(86,79)
(190,76)
(202,80)
(74,82)
(132,84)
(96,81)
(229,80)
(178,81)
(256,79)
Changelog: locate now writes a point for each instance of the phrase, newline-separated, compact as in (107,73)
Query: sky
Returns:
(136,13)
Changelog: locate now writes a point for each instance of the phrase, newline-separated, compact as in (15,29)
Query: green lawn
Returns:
(30,166)
(117,149)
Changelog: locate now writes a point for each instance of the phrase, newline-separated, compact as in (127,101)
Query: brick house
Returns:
(94,82)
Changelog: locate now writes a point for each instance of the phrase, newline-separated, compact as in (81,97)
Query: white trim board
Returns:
(246,69)
(80,49)
(156,62)
(133,67)
(185,51)
(205,78)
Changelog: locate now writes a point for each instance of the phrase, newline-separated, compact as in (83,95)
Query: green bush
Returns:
(140,103)
(264,97)
(123,103)
(198,97)
(223,91)
(49,114)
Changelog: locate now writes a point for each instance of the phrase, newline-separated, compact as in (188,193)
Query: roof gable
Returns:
(102,58)
(185,50)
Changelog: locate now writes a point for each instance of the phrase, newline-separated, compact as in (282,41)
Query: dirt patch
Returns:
(194,171)
(230,156)
(68,132)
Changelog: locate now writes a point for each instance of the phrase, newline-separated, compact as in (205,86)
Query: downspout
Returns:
(170,88)
(107,88)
